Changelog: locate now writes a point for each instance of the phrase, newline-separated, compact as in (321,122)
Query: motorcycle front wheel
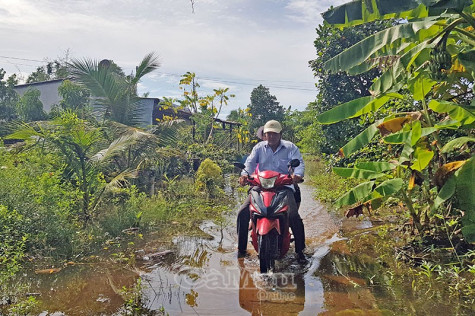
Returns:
(268,245)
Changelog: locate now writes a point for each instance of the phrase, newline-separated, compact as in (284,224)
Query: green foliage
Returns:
(338,87)
(76,141)
(14,237)
(114,93)
(8,97)
(45,206)
(153,210)
(29,106)
(25,306)
(125,209)
(205,110)
(243,132)
(308,133)
(329,186)
(74,98)
(406,54)
(209,178)
(56,69)
(364,11)
(189,85)
(224,157)
(264,107)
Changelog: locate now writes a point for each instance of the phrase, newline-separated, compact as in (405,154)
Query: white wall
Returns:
(48,89)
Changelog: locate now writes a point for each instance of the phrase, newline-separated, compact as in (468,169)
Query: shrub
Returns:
(13,239)
(32,186)
(209,178)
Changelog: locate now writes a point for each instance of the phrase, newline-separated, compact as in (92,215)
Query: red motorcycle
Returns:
(269,214)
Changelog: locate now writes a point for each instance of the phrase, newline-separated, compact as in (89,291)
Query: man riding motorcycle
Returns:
(273,154)
(297,194)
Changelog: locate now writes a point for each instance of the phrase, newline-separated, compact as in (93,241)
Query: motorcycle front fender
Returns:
(264,225)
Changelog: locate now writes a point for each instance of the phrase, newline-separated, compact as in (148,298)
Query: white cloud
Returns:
(309,11)
(239,43)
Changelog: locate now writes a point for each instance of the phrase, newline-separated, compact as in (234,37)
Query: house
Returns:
(48,89)
(49,96)
(151,112)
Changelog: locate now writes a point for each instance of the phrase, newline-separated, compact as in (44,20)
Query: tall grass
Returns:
(329,186)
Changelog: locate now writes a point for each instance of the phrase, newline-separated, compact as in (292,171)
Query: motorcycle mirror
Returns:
(239,165)
(294,163)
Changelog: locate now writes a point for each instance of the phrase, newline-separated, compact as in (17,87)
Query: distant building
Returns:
(150,114)
(48,89)
(49,96)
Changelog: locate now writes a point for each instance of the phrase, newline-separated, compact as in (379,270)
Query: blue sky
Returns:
(237,44)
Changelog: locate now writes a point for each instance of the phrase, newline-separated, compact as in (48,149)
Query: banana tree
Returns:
(429,54)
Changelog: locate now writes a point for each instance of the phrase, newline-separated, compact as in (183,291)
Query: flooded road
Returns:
(201,275)
(204,277)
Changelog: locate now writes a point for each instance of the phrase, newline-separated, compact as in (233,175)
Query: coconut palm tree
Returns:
(113,92)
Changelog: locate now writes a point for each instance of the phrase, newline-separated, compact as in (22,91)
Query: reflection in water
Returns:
(201,275)
(267,293)
(84,289)
(204,277)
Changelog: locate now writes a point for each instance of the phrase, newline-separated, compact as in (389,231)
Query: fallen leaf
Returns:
(48,271)
(345,280)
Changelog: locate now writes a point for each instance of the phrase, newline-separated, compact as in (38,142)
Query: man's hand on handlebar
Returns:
(243,180)
(296,179)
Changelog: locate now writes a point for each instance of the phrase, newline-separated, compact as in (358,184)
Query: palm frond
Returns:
(121,180)
(148,64)
(125,141)
(107,88)
(21,130)
(167,132)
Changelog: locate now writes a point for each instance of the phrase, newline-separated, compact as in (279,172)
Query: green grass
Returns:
(329,186)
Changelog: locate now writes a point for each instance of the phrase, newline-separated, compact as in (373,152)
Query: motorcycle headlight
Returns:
(267,183)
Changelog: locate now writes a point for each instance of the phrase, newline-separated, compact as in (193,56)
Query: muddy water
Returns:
(204,277)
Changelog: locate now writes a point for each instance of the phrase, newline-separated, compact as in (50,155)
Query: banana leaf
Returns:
(376,166)
(390,80)
(363,11)
(356,194)
(422,158)
(465,192)
(357,173)
(456,143)
(456,112)
(389,187)
(355,108)
(359,141)
(416,132)
(361,51)
(407,150)
(421,86)
(401,137)
(445,193)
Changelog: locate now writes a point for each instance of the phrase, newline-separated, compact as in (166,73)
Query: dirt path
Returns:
(204,277)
